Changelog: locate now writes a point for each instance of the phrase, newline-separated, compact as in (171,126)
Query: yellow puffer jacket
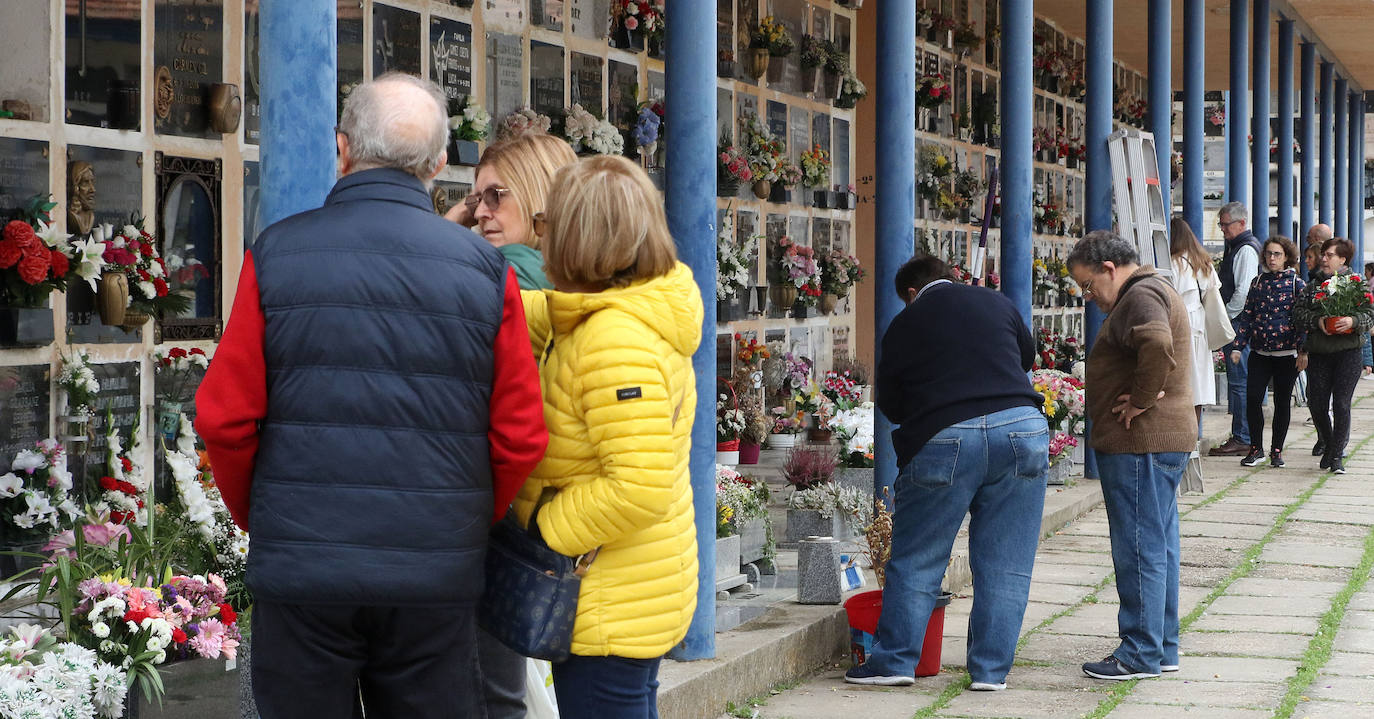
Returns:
(619,399)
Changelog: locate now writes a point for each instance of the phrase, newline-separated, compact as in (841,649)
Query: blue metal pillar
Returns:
(1360,156)
(1307,137)
(895,186)
(1194,32)
(1353,182)
(1340,142)
(1285,189)
(1097,191)
(1238,107)
(1259,124)
(1161,96)
(1326,178)
(1016,167)
(690,108)
(298,58)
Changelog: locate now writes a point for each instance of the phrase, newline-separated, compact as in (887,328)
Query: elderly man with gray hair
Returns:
(1140,406)
(372,409)
(1239,267)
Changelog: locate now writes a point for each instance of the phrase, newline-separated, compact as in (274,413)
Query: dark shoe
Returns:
(1319,448)
(1111,668)
(862,674)
(1275,458)
(1230,448)
(1325,463)
(1337,466)
(1255,457)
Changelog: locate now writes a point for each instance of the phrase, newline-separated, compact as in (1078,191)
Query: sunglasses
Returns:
(491,197)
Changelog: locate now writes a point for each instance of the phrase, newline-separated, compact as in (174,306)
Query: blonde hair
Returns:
(606,226)
(527,164)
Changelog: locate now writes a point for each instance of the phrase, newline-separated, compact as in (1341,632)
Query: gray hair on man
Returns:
(1234,211)
(399,121)
(1101,246)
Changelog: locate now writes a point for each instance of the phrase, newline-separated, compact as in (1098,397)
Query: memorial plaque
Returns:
(777,120)
(840,238)
(23,172)
(349,34)
(450,60)
(252,75)
(252,198)
(188,57)
(839,155)
(784,73)
(840,341)
(820,132)
(447,194)
(623,89)
(820,235)
(587,18)
(25,403)
(799,134)
(842,34)
(587,76)
(505,91)
(799,229)
(395,40)
(724,128)
(546,79)
(507,16)
(547,14)
(121,393)
(746,230)
(104,50)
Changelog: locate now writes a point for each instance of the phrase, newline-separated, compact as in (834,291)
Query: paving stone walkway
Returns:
(1278,614)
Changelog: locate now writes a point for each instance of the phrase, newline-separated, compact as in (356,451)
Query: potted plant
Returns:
(765,155)
(729,426)
(813,55)
(742,511)
(1064,409)
(35,259)
(852,90)
(466,129)
(1341,296)
(826,509)
(966,38)
(757,427)
(793,273)
(786,427)
(854,426)
(836,65)
(732,168)
(815,167)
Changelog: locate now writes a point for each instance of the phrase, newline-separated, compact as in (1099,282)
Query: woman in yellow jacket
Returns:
(619,330)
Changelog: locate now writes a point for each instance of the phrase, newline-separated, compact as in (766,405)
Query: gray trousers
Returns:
(503,677)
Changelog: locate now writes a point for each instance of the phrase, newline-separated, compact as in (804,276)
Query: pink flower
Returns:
(211,640)
(631,23)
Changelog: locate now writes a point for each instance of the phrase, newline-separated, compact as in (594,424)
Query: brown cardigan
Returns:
(1144,346)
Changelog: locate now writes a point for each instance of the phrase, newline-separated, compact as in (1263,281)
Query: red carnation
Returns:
(1356,278)
(21,234)
(143,275)
(33,268)
(126,488)
(145,249)
(161,264)
(134,615)
(126,464)
(60,265)
(10,253)
(227,615)
(118,517)
(161,286)
(197,351)
(107,483)
(178,636)
(176,352)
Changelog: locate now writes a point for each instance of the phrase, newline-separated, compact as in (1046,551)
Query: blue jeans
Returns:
(1140,491)
(994,467)
(606,688)
(1236,372)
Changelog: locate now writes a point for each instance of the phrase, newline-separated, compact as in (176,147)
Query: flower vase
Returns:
(113,297)
(820,199)
(72,428)
(832,84)
(169,419)
(779,194)
(1071,162)
(800,310)
(26,326)
(655,47)
(819,436)
(646,154)
(762,188)
(749,453)
(758,62)
(1059,472)
(626,39)
(1329,323)
(463,152)
(810,79)
(782,440)
(828,301)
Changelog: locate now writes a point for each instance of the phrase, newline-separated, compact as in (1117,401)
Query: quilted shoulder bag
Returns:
(530,599)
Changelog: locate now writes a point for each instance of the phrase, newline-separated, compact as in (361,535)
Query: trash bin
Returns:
(863,611)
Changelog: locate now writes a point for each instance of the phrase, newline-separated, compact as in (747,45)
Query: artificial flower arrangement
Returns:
(933,171)
(757,425)
(836,59)
(1061,445)
(35,494)
(520,122)
(732,261)
(789,173)
(77,380)
(133,251)
(839,272)
(796,265)
(472,125)
(841,389)
(648,126)
(41,677)
(124,484)
(35,258)
(637,16)
(854,428)
(739,497)
(729,419)
(733,165)
(1216,114)
(811,400)
(932,89)
(967,185)
(785,423)
(1063,403)
(764,152)
(852,89)
(815,167)
(814,51)
(586,133)
(1342,296)
(196,524)
(797,371)
(772,34)
(179,369)
(751,352)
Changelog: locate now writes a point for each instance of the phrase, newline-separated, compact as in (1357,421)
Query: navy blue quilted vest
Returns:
(372,483)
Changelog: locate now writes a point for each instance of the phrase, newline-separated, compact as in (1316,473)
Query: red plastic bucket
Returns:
(865,608)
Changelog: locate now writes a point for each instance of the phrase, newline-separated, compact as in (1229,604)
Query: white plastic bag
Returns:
(540,702)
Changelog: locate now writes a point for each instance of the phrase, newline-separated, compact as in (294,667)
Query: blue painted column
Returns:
(1194,62)
(1016,163)
(1285,159)
(298,59)
(1161,95)
(1307,137)
(1360,156)
(1097,190)
(1238,108)
(1326,185)
(1353,182)
(1339,157)
(1259,124)
(690,109)
(895,188)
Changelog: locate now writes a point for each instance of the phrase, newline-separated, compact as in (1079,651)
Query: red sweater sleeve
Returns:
(517,435)
(232,399)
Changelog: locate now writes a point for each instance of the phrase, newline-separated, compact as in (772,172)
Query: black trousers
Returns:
(503,678)
(1284,372)
(1331,380)
(315,661)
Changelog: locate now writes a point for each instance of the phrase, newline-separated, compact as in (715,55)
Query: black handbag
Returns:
(530,599)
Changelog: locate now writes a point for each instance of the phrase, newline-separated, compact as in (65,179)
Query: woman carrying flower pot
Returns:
(1266,324)
(622,322)
(1336,313)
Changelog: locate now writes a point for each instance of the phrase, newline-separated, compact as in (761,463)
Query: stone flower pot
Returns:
(753,536)
(860,478)
(803,523)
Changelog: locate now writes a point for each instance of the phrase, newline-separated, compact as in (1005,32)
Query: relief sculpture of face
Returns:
(80,197)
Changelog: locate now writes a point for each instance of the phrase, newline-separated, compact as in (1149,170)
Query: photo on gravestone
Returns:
(820,132)
(350,54)
(252,203)
(447,194)
(188,233)
(622,89)
(395,40)
(840,237)
(587,76)
(547,14)
(103,52)
(188,59)
(25,403)
(120,394)
(103,187)
(505,58)
(587,18)
(546,81)
(450,61)
(777,120)
(23,173)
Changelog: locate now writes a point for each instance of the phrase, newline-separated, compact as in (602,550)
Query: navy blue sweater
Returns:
(956,353)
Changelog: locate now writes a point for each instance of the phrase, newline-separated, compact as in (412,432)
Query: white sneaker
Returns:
(1168,667)
(987,686)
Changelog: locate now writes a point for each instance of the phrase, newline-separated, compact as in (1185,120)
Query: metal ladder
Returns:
(1139,199)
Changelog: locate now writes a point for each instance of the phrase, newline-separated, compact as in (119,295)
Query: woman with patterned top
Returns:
(1266,324)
